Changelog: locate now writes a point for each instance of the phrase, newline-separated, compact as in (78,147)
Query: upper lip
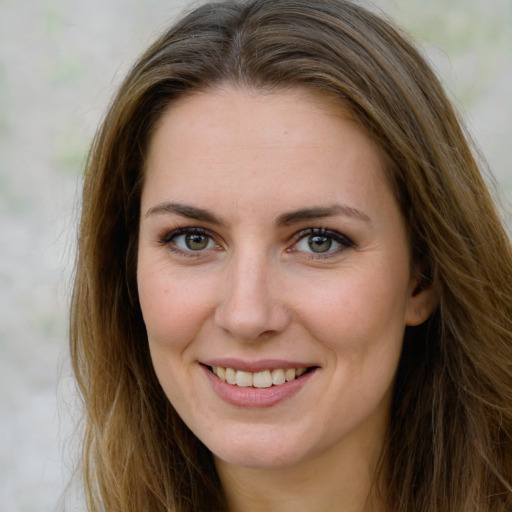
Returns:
(256,366)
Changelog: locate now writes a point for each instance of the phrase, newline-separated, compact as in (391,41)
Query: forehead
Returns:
(234,114)
(264,146)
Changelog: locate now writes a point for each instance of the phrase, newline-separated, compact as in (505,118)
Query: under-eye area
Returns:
(261,379)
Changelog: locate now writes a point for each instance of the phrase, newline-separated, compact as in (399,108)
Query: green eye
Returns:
(189,240)
(196,241)
(319,244)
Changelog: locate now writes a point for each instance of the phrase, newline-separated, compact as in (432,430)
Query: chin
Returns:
(256,458)
(260,450)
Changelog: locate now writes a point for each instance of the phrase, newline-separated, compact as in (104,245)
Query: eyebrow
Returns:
(185,210)
(286,219)
(320,212)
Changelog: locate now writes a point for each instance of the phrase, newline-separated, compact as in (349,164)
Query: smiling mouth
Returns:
(262,379)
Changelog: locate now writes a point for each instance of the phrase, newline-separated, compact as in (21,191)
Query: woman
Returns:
(292,288)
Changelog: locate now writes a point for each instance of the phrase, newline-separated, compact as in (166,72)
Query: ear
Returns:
(421,302)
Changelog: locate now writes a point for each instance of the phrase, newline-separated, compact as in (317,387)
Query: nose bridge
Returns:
(251,304)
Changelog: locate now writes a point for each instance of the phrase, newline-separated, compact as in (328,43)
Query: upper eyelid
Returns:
(169,235)
(329,233)
(341,238)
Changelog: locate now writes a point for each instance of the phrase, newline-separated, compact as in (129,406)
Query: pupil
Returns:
(196,241)
(319,243)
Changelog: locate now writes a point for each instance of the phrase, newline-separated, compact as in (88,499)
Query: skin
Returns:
(257,291)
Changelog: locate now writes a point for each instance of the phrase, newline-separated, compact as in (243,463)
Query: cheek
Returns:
(173,309)
(357,311)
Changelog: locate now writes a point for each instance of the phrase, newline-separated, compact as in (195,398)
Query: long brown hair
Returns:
(449,442)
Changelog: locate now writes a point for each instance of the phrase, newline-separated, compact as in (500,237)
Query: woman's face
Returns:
(272,248)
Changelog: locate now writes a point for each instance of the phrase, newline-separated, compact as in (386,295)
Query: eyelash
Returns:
(169,238)
(344,242)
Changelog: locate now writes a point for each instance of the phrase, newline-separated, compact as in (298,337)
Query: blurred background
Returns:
(60,62)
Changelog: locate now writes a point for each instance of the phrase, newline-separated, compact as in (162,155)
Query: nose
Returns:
(251,307)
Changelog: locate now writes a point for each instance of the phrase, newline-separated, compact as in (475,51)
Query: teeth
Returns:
(289,374)
(231,375)
(263,379)
(300,371)
(278,377)
(243,379)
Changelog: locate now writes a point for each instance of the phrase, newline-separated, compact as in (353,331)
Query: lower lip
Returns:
(256,397)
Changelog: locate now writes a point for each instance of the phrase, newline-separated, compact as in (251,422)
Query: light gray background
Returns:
(60,61)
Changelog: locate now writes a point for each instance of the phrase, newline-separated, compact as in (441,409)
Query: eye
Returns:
(193,241)
(189,240)
(321,241)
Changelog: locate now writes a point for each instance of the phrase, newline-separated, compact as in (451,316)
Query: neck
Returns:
(339,479)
